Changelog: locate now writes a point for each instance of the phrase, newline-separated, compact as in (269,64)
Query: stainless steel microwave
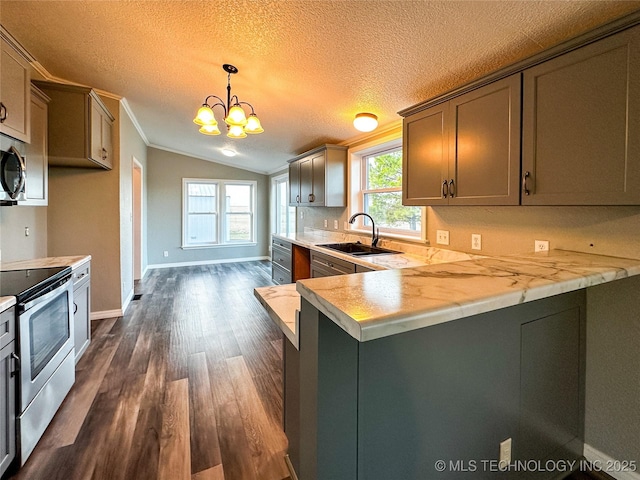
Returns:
(13,176)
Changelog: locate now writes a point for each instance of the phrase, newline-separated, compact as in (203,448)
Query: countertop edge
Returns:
(6,303)
(288,306)
(73,261)
(387,325)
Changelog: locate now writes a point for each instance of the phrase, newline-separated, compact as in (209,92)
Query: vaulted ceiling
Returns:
(306,66)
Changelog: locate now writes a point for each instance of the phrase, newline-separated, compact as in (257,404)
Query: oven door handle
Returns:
(43,298)
(18,364)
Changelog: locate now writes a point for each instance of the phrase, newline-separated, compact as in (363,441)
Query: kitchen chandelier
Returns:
(238,125)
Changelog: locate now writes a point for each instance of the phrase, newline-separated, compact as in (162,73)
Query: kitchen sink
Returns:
(358,249)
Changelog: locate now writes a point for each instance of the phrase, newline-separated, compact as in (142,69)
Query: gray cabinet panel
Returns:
(15,76)
(425,154)
(552,408)
(484,151)
(294,184)
(580,125)
(7,408)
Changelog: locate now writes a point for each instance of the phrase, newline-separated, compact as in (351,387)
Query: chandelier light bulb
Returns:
(253,125)
(236,116)
(236,131)
(205,116)
(365,122)
(210,129)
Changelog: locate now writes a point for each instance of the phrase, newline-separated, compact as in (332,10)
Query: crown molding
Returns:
(127,108)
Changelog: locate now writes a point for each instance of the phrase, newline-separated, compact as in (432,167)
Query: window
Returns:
(203,223)
(285,216)
(381,193)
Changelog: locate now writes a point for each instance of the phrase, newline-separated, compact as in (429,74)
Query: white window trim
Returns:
(220,213)
(355,182)
(272,207)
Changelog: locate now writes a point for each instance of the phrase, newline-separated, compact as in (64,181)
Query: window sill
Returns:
(391,236)
(220,245)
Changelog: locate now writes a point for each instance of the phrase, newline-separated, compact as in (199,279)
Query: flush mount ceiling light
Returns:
(365,122)
(238,124)
(228,152)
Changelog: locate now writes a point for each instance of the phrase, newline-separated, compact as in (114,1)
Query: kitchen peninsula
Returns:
(399,369)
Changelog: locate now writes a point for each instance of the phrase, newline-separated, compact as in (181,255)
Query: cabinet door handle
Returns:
(297,198)
(326,264)
(3,112)
(445,189)
(18,365)
(104,154)
(312,198)
(525,175)
(452,189)
(75,308)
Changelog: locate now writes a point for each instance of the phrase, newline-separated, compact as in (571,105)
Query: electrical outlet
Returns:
(541,245)
(442,237)
(326,223)
(301,214)
(505,453)
(166,253)
(26,231)
(335,224)
(476,241)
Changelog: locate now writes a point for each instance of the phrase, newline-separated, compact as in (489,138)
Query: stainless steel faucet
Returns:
(375,236)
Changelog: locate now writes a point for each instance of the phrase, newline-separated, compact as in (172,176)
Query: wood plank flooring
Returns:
(186,386)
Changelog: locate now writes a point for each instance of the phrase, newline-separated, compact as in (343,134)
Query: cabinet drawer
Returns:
(331,264)
(280,275)
(7,327)
(283,244)
(81,274)
(281,257)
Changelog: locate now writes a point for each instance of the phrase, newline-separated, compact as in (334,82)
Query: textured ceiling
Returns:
(306,66)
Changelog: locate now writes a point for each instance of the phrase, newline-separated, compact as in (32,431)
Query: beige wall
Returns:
(165,171)
(13,242)
(505,230)
(84,219)
(131,145)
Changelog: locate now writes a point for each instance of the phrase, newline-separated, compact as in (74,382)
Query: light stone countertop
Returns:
(414,255)
(378,304)
(282,302)
(69,261)
(8,302)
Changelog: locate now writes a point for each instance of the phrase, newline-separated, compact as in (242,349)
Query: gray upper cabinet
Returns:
(80,127)
(15,78)
(36,158)
(465,151)
(581,119)
(319,177)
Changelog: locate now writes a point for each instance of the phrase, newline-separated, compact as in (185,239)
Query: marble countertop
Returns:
(412,256)
(8,302)
(70,261)
(382,303)
(282,302)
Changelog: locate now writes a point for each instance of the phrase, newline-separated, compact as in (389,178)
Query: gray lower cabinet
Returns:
(581,118)
(326,266)
(7,391)
(281,261)
(392,407)
(82,308)
(465,151)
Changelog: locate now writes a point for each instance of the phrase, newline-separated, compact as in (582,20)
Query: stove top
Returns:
(24,284)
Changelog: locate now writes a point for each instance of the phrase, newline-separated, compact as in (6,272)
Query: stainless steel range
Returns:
(45,337)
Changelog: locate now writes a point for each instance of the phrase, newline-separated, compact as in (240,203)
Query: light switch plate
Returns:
(442,237)
(476,241)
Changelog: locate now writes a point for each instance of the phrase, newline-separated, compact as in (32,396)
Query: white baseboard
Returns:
(608,465)
(127,301)
(206,262)
(106,314)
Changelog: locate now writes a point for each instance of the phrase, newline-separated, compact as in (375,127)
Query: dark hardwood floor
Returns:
(187,385)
